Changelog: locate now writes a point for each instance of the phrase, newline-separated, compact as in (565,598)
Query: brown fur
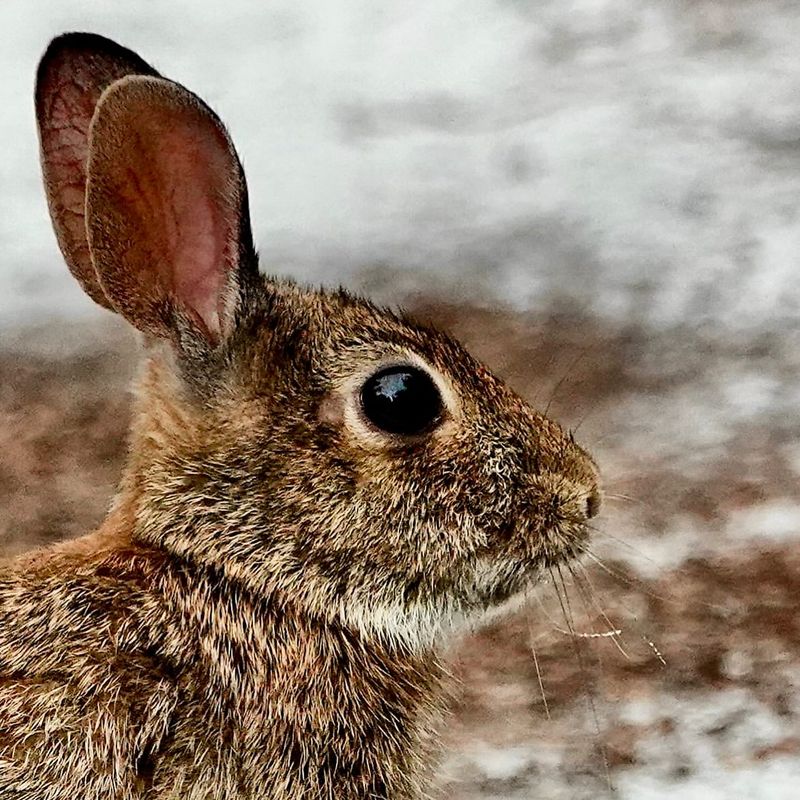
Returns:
(260,615)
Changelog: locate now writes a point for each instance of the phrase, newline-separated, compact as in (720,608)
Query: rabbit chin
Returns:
(487,590)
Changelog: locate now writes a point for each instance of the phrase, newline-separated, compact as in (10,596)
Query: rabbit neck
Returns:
(287,683)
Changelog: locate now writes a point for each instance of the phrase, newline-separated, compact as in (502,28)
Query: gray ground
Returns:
(597,196)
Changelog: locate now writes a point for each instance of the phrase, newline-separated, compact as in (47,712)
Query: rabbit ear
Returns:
(167,215)
(72,74)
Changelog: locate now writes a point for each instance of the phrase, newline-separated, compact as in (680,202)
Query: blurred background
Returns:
(600,197)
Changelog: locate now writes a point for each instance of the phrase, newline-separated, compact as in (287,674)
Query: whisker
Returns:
(623,477)
(538,673)
(570,630)
(624,497)
(634,583)
(583,419)
(655,650)
(544,371)
(637,583)
(644,636)
(616,574)
(565,607)
(561,600)
(628,498)
(608,437)
(591,585)
(555,625)
(635,550)
(620,496)
(589,596)
(566,375)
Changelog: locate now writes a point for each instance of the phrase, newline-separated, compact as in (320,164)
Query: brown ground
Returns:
(706,599)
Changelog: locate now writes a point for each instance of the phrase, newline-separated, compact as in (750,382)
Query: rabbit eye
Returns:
(401,400)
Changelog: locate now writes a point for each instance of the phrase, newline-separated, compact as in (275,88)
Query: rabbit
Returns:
(319,492)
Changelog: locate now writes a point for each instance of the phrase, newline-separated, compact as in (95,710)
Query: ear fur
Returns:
(73,73)
(166,209)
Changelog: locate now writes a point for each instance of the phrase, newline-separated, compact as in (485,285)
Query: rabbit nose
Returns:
(593,503)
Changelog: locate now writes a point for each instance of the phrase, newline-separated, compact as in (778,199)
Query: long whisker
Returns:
(610,436)
(589,597)
(555,625)
(583,634)
(645,637)
(561,601)
(627,498)
(570,631)
(632,583)
(618,496)
(655,650)
(567,611)
(538,673)
(544,371)
(627,545)
(623,498)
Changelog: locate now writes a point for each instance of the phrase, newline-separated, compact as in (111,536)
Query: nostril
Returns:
(593,503)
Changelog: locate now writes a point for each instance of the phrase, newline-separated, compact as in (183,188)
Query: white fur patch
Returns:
(422,625)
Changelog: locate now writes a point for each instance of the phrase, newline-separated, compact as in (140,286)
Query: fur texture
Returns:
(260,615)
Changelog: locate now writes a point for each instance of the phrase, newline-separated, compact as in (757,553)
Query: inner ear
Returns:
(74,71)
(167,214)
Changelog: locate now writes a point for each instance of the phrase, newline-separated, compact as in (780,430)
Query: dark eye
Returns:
(401,400)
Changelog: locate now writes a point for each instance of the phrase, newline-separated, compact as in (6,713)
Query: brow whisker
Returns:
(566,374)
(586,414)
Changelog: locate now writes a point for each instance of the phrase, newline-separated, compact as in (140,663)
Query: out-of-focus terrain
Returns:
(601,198)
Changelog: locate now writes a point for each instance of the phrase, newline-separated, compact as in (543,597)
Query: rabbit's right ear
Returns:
(74,71)
(166,212)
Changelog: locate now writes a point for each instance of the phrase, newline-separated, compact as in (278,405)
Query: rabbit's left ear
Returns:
(72,75)
(166,210)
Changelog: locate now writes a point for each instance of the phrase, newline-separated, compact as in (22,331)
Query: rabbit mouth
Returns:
(492,579)
(486,587)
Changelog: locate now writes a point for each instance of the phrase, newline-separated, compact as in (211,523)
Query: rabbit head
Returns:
(311,447)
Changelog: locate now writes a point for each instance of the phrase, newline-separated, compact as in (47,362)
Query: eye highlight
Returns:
(401,400)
